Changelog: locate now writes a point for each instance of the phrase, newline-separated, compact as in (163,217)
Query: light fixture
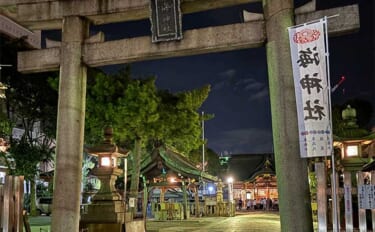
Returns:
(105,161)
(108,160)
(230,196)
(351,150)
(210,189)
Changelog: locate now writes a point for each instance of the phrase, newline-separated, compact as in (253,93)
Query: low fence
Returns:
(11,204)
(353,202)
(175,211)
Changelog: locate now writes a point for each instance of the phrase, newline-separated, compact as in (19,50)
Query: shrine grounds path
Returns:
(255,221)
(244,221)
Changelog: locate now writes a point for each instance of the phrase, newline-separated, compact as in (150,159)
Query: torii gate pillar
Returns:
(291,170)
(70,125)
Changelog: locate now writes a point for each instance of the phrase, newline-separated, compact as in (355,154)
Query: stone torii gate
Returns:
(77,51)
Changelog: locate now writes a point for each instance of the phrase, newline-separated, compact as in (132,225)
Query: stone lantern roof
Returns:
(351,131)
(107,146)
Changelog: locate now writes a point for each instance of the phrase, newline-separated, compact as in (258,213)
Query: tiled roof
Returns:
(169,160)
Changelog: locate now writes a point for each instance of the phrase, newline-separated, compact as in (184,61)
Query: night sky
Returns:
(239,96)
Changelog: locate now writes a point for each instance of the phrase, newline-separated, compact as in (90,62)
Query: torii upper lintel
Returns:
(196,41)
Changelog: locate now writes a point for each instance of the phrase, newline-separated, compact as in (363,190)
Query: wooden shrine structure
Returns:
(169,172)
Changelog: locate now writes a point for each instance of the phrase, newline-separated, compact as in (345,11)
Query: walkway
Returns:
(255,221)
(249,222)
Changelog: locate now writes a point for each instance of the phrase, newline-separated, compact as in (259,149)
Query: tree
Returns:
(31,108)
(130,106)
(213,166)
(179,124)
(34,112)
(142,116)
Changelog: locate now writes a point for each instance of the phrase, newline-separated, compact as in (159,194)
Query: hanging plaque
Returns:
(165,20)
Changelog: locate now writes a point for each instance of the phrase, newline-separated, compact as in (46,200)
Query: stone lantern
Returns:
(349,115)
(353,142)
(107,211)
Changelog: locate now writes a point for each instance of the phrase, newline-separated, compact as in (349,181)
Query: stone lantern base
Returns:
(103,216)
(104,212)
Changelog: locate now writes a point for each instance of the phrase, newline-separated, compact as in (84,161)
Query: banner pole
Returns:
(333,165)
(125,187)
(334,196)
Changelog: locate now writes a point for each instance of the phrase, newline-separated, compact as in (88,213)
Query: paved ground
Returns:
(249,222)
(254,221)
(40,223)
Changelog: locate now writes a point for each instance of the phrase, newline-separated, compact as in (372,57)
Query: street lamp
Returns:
(210,190)
(230,196)
(230,189)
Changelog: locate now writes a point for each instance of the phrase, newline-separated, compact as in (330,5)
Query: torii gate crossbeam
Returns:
(197,41)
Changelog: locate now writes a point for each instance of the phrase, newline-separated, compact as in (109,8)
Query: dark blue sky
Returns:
(239,96)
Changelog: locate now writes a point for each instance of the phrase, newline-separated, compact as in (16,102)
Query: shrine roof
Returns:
(245,167)
(168,160)
(349,137)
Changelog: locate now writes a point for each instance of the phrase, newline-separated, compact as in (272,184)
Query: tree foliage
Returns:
(213,166)
(129,106)
(180,122)
(32,108)
(31,111)
(136,109)
(142,116)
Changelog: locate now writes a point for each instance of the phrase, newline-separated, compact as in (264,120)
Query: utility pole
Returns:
(203,153)
(203,160)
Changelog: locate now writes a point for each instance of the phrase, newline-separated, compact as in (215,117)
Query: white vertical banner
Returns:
(309,53)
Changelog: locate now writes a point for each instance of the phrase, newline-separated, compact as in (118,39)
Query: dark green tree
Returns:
(130,106)
(213,166)
(179,124)
(143,117)
(31,109)
(32,105)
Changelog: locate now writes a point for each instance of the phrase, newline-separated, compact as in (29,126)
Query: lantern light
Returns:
(107,171)
(105,161)
(351,150)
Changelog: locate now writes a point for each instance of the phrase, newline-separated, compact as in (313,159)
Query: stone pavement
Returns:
(249,222)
